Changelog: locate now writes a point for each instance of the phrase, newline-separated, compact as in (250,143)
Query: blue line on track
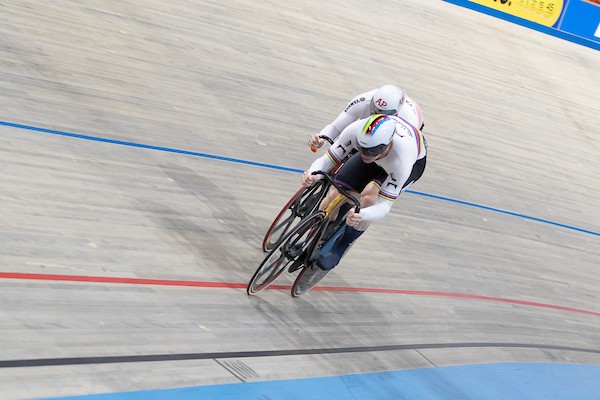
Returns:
(545,221)
(522,381)
(145,146)
(276,167)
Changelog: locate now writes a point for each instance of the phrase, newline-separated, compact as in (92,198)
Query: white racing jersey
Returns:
(408,146)
(360,107)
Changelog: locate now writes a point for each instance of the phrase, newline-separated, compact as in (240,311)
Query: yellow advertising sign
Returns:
(543,12)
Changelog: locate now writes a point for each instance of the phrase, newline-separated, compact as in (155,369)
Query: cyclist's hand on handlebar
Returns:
(307,178)
(314,141)
(353,218)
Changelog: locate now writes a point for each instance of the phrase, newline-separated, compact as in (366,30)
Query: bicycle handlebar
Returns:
(322,137)
(340,188)
(326,138)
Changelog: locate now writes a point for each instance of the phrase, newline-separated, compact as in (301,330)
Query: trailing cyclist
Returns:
(388,100)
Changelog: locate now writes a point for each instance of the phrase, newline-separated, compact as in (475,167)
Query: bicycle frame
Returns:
(279,227)
(343,196)
(296,250)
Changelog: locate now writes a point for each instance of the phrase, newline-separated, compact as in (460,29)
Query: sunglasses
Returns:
(372,151)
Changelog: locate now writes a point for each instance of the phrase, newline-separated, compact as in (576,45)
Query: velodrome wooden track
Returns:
(512,122)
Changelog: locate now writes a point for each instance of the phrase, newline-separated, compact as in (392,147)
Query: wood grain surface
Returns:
(512,122)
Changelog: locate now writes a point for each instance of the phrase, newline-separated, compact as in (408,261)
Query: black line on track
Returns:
(44,362)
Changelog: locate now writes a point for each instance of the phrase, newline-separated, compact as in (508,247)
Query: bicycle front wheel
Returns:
(291,248)
(302,203)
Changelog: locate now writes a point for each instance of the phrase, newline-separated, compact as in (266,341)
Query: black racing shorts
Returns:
(355,174)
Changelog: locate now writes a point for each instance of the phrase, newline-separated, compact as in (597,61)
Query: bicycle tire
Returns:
(329,230)
(302,203)
(307,279)
(292,246)
(311,274)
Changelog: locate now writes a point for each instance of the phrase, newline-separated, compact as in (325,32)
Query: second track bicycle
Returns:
(300,246)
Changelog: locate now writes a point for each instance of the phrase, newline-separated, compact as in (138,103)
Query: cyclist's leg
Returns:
(333,192)
(355,175)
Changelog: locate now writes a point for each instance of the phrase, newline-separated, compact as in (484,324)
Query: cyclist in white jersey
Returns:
(391,155)
(388,100)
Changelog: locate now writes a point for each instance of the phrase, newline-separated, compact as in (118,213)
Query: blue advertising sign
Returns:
(575,20)
(582,18)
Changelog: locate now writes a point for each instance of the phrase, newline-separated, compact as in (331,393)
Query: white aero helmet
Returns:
(387,100)
(377,132)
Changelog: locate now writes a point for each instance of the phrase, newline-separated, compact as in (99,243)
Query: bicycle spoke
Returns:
(286,222)
(272,272)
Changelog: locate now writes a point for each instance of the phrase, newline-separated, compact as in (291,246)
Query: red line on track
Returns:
(228,285)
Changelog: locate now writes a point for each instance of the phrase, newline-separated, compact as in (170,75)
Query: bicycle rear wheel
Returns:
(302,203)
(307,279)
(311,275)
(291,248)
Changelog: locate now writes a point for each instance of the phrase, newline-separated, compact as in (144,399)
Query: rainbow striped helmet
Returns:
(377,132)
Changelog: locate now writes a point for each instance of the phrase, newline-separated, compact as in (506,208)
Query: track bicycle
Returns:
(302,203)
(299,248)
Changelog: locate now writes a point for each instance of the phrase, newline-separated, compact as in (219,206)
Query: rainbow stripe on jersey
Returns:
(418,136)
(383,194)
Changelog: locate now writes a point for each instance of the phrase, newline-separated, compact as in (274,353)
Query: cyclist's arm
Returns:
(354,110)
(323,163)
(334,129)
(378,211)
(342,146)
(391,188)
